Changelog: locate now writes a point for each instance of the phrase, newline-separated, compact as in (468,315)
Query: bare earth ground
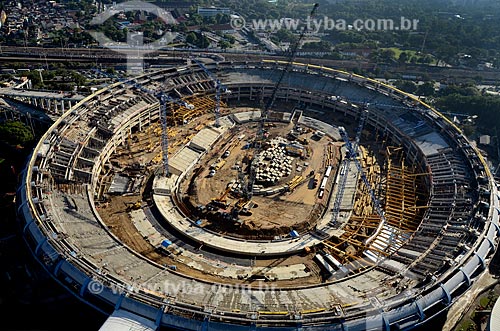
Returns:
(290,210)
(283,212)
(115,214)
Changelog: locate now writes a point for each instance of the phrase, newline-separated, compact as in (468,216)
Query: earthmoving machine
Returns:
(133,205)
(220,201)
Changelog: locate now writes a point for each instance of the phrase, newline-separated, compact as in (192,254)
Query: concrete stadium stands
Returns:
(442,258)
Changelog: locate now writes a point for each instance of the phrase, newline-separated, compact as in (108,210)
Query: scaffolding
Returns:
(403,206)
(179,115)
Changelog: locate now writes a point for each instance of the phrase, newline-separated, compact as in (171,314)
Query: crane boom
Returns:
(163,99)
(218,87)
(291,58)
(248,191)
(352,153)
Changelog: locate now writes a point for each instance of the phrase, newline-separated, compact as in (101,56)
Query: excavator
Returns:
(243,207)
(133,205)
(221,201)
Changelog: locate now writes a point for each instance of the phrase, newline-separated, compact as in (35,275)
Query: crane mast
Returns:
(164,131)
(352,151)
(163,99)
(265,111)
(291,58)
(218,87)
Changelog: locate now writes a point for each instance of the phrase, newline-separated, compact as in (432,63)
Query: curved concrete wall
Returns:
(73,272)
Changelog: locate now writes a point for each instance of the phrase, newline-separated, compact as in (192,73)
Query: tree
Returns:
(403,57)
(406,85)
(426,89)
(388,55)
(16,133)
(224,44)
(321,46)
(487,107)
(191,38)
(285,35)
(230,38)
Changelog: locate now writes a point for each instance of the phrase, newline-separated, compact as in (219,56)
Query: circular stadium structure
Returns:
(331,238)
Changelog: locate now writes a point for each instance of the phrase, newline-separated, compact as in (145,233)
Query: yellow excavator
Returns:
(244,207)
(134,205)
(221,201)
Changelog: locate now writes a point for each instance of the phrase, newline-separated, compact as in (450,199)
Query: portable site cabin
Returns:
(165,243)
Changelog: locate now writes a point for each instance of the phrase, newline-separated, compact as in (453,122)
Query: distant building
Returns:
(484,140)
(212,11)
(224,28)
(485,65)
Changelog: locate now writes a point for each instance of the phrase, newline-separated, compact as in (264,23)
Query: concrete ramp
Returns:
(123,320)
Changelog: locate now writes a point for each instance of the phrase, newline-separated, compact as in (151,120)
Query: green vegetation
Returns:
(197,39)
(425,89)
(58,79)
(486,107)
(445,32)
(411,56)
(460,99)
(406,85)
(15,133)
(320,46)
(467,325)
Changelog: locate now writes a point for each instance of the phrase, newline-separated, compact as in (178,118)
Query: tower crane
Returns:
(291,58)
(352,151)
(352,154)
(219,87)
(265,111)
(163,99)
(467,117)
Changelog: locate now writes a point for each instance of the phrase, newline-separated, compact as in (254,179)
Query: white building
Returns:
(212,11)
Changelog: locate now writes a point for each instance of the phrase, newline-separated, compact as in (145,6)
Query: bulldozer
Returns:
(133,205)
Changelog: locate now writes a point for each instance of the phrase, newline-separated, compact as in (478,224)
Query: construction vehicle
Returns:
(243,207)
(133,205)
(315,180)
(246,209)
(218,165)
(220,201)
(292,184)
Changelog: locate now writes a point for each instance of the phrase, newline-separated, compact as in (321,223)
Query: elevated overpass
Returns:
(55,102)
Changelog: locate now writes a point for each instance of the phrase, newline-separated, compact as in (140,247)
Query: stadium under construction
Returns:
(350,205)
